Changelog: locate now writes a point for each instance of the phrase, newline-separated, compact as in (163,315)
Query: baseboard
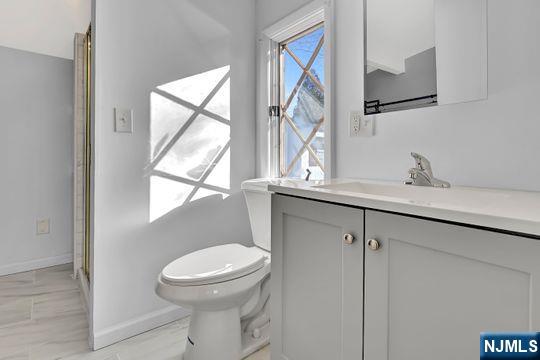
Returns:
(36,264)
(137,326)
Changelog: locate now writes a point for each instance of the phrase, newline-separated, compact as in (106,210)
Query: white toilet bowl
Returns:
(227,288)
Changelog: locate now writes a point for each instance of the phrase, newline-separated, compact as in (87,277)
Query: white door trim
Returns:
(302,19)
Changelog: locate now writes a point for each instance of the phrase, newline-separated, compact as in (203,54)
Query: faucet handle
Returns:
(422,163)
(308,174)
(413,174)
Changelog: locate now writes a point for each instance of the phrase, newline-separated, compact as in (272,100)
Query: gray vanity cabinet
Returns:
(317,280)
(431,288)
(406,288)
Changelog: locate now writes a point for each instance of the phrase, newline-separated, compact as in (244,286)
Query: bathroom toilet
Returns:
(227,288)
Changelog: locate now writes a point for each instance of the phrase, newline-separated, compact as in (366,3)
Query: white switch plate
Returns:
(123,120)
(361,125)
(367,126)
(43,226)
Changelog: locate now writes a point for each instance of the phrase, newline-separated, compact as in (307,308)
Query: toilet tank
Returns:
(258,200)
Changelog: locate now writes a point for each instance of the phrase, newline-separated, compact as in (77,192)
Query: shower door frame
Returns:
(87,152)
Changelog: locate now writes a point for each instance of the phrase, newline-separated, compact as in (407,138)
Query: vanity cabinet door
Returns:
(317,281)
(431,288)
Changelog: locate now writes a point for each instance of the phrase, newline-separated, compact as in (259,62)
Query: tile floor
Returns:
(42,318)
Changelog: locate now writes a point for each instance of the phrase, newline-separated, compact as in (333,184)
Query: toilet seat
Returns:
(213,265)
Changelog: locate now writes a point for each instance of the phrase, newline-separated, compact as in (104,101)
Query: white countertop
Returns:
(515,211)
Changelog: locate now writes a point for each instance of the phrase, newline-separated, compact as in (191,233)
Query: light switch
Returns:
(123,120)
(367,126)
(43,226)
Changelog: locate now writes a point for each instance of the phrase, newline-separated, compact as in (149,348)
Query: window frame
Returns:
(298,22)
(283,107)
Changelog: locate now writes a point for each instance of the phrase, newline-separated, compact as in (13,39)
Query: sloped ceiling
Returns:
(43,26)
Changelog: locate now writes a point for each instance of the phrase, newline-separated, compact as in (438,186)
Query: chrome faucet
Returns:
(422,175)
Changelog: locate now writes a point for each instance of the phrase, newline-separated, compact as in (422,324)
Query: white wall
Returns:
(138,46)
(36,101)
(36,129)
(43,26)
(491,143)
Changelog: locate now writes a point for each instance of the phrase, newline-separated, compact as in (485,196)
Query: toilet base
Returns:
(250,344)
(218,335)
(214,335)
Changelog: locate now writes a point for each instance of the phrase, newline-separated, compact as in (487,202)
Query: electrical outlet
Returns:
(43,226)
(355,122)
(123,120)
(361,125)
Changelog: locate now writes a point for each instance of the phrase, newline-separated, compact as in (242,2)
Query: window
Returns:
(301,104)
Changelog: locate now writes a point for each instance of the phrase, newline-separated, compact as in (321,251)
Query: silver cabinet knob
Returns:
(373,244)
(348,239)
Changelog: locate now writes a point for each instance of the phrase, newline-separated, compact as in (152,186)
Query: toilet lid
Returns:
(213,265)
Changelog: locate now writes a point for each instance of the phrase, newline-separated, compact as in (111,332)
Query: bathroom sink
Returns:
(512,210)
(456,196)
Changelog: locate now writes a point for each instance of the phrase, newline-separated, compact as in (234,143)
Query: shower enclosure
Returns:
(82,155)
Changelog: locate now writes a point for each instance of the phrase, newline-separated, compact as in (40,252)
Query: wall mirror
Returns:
(424,53)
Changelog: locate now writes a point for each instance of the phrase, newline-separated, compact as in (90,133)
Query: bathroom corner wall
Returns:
(491,143)
(139,45)
(36,132)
